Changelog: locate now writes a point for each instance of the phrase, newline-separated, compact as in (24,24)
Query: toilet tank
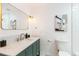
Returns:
(62,45)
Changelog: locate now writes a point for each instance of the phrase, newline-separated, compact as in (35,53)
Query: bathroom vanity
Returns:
(26,47)
(16,21)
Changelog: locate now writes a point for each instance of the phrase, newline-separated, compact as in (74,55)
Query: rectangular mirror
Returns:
(13,18)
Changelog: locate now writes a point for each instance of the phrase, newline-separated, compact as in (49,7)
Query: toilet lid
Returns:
(63,53)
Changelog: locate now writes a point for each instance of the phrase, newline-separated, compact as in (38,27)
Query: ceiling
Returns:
(32,8)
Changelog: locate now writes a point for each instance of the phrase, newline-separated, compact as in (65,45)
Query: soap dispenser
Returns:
(2,43)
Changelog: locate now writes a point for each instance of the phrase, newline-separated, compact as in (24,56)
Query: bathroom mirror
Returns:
(13,18)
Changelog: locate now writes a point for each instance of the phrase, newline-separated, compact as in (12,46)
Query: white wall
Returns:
(44,24)
(65,9)
(75,28)
(44,15)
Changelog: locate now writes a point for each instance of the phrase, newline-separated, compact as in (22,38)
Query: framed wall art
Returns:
(61,23)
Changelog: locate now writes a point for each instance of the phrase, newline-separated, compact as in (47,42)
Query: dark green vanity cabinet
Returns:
(32,50)
(38,47)
(28,51)
(22,53)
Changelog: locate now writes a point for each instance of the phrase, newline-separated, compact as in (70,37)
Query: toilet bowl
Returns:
(62,48)
(76,53)
(63,53)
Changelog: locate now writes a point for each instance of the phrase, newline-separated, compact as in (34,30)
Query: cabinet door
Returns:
(38,47)
(34,48)
(22,53)
(29,51)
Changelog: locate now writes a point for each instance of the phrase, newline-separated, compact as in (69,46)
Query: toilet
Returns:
(76,53)
(63,53)
(61,46)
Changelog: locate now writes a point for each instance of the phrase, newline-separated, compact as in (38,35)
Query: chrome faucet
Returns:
(22,36)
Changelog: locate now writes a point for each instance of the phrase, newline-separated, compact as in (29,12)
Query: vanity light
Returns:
(31,19)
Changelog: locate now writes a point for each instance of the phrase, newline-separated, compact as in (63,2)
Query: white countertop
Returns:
(16,47)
